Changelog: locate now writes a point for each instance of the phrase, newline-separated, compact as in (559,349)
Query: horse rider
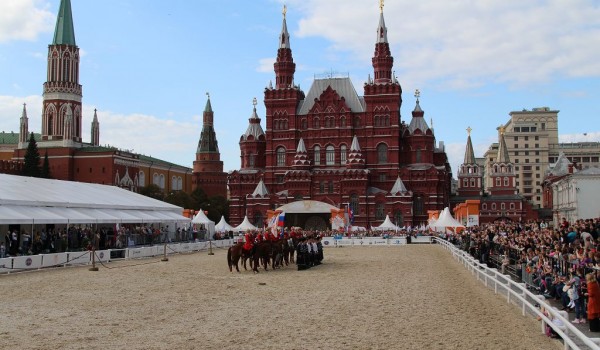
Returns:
(249,244)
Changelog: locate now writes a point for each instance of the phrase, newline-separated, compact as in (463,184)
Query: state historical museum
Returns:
(333,146)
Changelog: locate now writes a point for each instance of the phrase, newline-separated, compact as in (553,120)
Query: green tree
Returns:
(180,199)
(152,191)
(45,172)
(32,159)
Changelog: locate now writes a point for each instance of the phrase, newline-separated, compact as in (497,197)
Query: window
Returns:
(398,219)
(526,153)
(322,187)
(354,203)
(502,206)
(516,138)
(304,124)
(493,206)
(512,206)
(316,123)
(472,182)
(155,179)
(141,179)
(537,138)
(379,211)
(382,177)
(343,122)
(343,154)
(517,129)
(330,188)
(251,160)
(317,157)
(465,182)
(280,156)
(357,122)
(418,205)
(161,181)
(506,181)
(498,182)
(258,220)
(484,206)
(382,150)
(418,156)
(330,155)
(179,183)
(173,183)
(543,126)
(526,138)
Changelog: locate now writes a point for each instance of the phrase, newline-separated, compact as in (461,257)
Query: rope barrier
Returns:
(120,267)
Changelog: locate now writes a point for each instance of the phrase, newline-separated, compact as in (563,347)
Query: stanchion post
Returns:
(210,252)
(165,253)
(94,267)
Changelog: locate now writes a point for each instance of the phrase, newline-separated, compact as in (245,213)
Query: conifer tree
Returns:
(32,159)
(46,167)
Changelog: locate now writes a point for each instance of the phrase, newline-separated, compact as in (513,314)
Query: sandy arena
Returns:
(411,297)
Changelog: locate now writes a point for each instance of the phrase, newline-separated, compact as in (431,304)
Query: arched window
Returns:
(316,123)
(398,219)
(473,183)
(502,206)
(382,151)
(379,211)
(512,206)
(322,187)
(342,122)
(304,124)
(66,68)
(179,183)
(173,183)
(156,179)
(251,160)
(343,152)
(498,182)
(506,181)
(418,160)
(317,158)
(465,182)
(484,206)
(50,124)
(141,179)
(418,205)
(330,155)
(162,182)
(357,122)
(280,156)
(493,206)
(330,189)
(354,204)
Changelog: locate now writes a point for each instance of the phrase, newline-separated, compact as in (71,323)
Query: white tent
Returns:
(28,200)
(201,219)
(245,226)
(445,220)
(387,225)
(223,226)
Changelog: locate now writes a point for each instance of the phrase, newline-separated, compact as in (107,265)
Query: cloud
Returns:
(464,44)
(265,65)
(24,19)
(583,137)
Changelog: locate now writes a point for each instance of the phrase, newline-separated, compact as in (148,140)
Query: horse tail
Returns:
(229,260)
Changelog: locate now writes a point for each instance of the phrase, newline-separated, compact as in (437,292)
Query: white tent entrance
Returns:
(308,214)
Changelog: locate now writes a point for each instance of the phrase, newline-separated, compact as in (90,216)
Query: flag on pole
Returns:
(281,221)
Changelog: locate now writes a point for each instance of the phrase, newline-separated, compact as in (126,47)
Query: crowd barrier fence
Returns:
(518,294)
(37,262)
(373,241)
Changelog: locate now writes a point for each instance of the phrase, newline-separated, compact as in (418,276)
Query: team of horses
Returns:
(273,253)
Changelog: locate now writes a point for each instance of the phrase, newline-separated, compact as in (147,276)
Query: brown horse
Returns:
(234,253)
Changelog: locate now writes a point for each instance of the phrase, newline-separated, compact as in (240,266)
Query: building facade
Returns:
(532,140)
(334,146)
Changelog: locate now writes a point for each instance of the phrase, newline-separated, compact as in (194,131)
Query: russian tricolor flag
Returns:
(281,221)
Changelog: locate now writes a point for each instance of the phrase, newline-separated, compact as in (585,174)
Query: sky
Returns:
(146,65)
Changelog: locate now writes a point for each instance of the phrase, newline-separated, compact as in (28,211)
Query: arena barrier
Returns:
(518,294)
(373,241)
(35,262)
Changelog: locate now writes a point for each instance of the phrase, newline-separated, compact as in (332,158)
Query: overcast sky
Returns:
(147,64)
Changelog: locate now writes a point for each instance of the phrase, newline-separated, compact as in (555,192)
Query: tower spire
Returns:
(284,65)
(95,130)
(502,149)
(24,127)
(382,59)
(64,33)
(469,153)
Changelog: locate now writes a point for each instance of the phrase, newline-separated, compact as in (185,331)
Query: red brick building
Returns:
(334,146)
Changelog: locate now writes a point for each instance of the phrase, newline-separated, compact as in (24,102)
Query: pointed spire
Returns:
(64,33)
(24,125)
(502,149)
(208,107)
(284,37)
(398,187)
(418,121)
(95,130)
(301,158)
(469,153)
(355,158)
(254,128)
(381,28)
(301,148)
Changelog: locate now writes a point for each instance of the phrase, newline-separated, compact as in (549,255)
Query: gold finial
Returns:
(381,5)
(417,94)
(502,130)
(469,131)
(284,10)
(254,102)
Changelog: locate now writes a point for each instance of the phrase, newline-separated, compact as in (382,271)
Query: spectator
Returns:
(593,307)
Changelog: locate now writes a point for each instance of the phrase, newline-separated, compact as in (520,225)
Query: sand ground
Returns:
(410,297)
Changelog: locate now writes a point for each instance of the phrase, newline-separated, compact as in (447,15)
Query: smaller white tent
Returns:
(223,226)
(245,226)
(201,219)
(445,220)
(387,225)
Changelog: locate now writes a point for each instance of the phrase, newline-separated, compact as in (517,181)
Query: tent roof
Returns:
(200,218)
(306,206)
(386,225)
(446,220)
(43,201)
(245,225)
(223,226)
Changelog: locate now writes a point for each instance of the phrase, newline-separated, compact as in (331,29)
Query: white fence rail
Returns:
(36,262)
(518,294)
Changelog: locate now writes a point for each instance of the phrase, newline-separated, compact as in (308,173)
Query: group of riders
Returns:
(276,249)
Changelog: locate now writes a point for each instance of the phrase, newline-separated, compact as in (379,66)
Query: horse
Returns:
(234,253)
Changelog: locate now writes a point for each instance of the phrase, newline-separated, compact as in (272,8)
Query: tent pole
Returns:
(94,267)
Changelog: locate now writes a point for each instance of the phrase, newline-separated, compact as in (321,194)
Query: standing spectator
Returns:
(593,307)
(2,251)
